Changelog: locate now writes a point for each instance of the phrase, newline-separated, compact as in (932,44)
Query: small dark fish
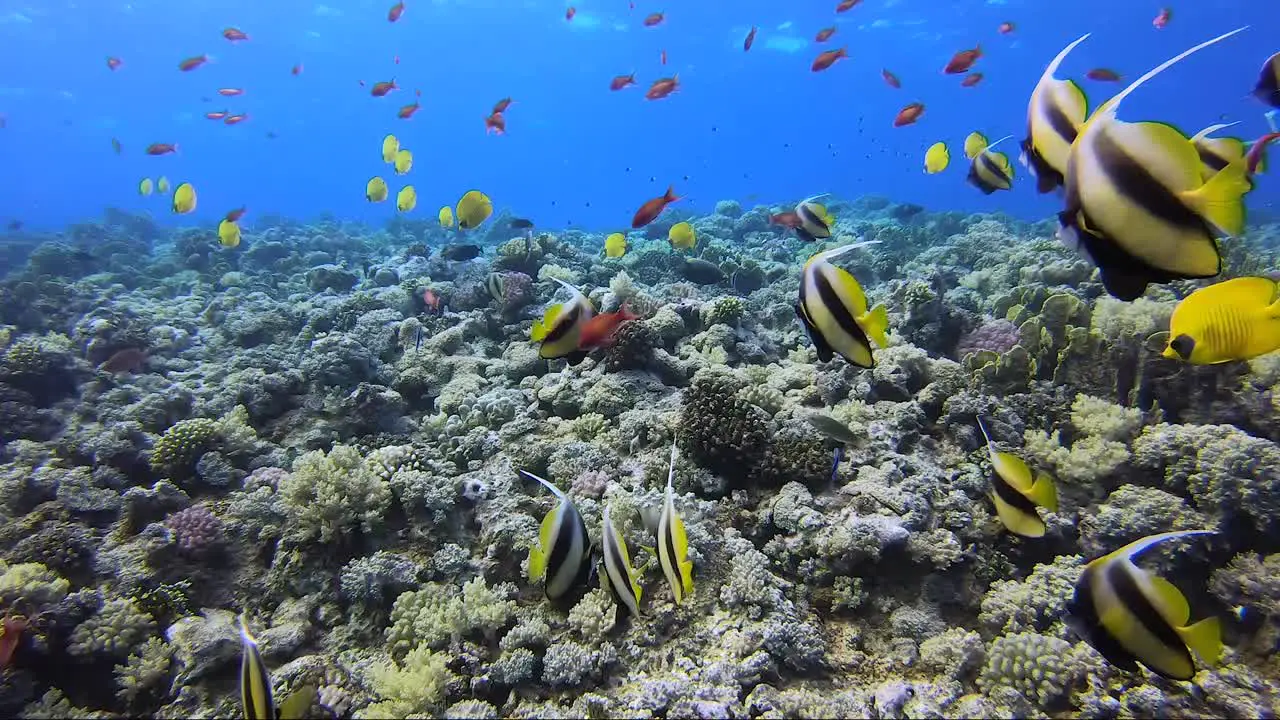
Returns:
(460,252)
(128,360)
(521,223)
(418,344)
(832,428)
(702,272)
(15,225)
(835,466)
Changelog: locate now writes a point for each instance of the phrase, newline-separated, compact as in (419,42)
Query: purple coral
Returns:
(591,483)
(517,291)
(998,336)
(196,530)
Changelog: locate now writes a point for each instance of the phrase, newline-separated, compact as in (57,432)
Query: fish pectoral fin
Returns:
(876,325)
(1170,601)
(298,704)
(537,563)
(1044,492)
(1204,638)
(1221,200)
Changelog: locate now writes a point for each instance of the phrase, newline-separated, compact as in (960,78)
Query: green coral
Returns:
(178,449)
(31,584)
(1034,603)
(329,495)
(725,310)
(764,397)
(438,615)
(413,688)
(115,630)
(589,426)
(1096,417)
(144,670)
(1037,666)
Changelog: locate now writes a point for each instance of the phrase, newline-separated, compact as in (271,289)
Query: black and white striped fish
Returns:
(561,557)
(673,544)
(619,575)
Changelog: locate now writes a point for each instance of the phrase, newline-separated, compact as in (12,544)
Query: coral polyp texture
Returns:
(338,433)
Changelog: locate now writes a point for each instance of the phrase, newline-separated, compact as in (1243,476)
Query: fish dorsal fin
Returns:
(1169,600)
(836,252)
(1110,107)
(671,472)
(811,199)
(991,446)
(547,484)
(1137,547)
(577,294)
(992,145)
(1052,68)
(1212,129)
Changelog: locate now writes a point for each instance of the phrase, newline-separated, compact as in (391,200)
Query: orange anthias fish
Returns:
(192,63)
(651,209)
(234,34)
(395,12)
(620,81)
(114,63)
(828,58)
(1103,75)
(502,105)
(1005,28)
(971,80)
(663,57)
(890,79)
(598,332)
(431,300)
(751,37)
(161,148)
(789,219)
(1162,18)
(216,114)
(909,114)
(653,19)
(568,14)
(662,87)
(846,5)
(1258,151)
(235,215)
(296,69)
(230,92)
(495,124)
(407,111)
(825,34)
(380,89)
(962,61)
(11,637)
(236,119)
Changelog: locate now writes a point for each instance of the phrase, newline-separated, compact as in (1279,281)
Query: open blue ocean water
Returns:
(756,126)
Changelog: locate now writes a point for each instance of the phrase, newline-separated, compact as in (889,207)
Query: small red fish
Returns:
(296,69)
(827,59)
(599,331)
(663,57)
(496,124)
(11,630)
(129,360)
(502,105)
(846,5)
(963,60)
(620,81)
(787,219)
(751,37)
(395,12)
(230,92)
(1258,151)
(382,88)
(192,63)
(407,111)
(890,79)
(396,59)
(236,119)
(971,79)
(1162,19)
(114,62)
(653,19)
(1005,28)
(825,34)
(234,34)
(568,14)
(161,149)
(662,87)
(216,114)
(909,114)
(651,209)
(431,300)
(235,215)
(1103,75)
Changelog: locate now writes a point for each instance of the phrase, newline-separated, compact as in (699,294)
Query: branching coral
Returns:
(330,495)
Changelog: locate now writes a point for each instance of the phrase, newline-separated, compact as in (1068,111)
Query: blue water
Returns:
(757,126)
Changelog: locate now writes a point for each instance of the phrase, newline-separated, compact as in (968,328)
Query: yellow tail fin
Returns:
(1205,638)
(1043,492)
(1221,200)
(876,325)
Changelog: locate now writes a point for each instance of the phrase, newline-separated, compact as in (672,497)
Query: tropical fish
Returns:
(663,87)
(1055,113)
(390,146)
(1162,18)
(474,208)
(621,81)
(1136,202)
(1006,28)
(703,272)
(615,245)
(963,60)
(184,199)
(495,123)
(682,236)
(1268,88)
(622,579)
(673,543)
(1132,616)
(192,63)
(561,325)
(974,144)
(1016,491)
(256,700)
(570,12)
(375,190)
(936,158)
(890,79)
(846,5)
(1216,153)
(236,214)
(651,209)
(833,310)
(234,34)
(562,556)
(406,199)
(828,58)
(832,428)
(406,111)
(235,119)
(653,19)
(162,185)
(161,149)
(296,70)
(825,34)
(971,79)
(1103,75)
(662,57)
(1237,319)
(144,187)
(114,63)
(395,12)
(403,161)
(446,216)
(751,38)
(461,253)
(990,171)
(380,89)
(598,331)
(229,233)
(230,92)
(909,114)
(521,224)
(496,284)
(502,105)
(814,221)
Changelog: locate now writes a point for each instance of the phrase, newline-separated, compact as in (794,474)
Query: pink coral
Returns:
(196,530)
(998,336)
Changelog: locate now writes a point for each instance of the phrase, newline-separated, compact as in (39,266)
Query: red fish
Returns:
(161,149)
(1103,75)
(963,60)
(653,19)
(395,12)
(234,34)
(114,62)
(296,69)
(825,34)
(568,14)
(651,209)
(11,630)
(598,332)
(751,37)
(846,5)
(890,79)
(909,114)
(230,92)
(502,105)
(236,119)
(192,63)
(216,114)
(663,57)
(620,81)
(1162,18)
(827,59)
(1005,28)
(431,300)
(235,215)
(787,219)
(662,87)
(1258,151)
(971,80)
(495,124)
(407,111)
(382,88)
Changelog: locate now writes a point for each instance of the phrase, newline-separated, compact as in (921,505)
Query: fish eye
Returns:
(1183,345)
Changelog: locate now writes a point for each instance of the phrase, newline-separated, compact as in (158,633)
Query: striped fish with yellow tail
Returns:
(833,310)
(1016,491)
(673,544)
(561,557)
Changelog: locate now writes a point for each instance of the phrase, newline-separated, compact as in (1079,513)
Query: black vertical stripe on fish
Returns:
(1140,187)
(1061,125)
(1119,576)
(562,542)
(1011,497)
(668,540)
(1125,276)
(1085,613)
(830,299)
(809,216)
(989,165)
(563,323)
(1268,87)
(1213,161)
(619,566)
(824,351)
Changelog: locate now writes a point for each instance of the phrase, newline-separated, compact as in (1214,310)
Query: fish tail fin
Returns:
(1221,200)
(1113,104)
(876,325)
(1205,638)
(670,195)
(1043,492)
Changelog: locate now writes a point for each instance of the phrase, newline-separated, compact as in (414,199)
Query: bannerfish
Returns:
(833,310)
(619,575)
(560,328)
(256,701)
(673,544)
(561,557)
(1016,491)
(1054,115)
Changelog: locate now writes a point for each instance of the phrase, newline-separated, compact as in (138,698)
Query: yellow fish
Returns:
(390,146)
(184,199)
(1235,319)
(833,310)
(682,236)
(474,208)
(1016,491)
(815,219)
(991,171)
(936,158)
(1217,152)
(228,233)
(162,185)
(446,217)
(144,187)
(1054,115)
(562,556)
(375,190)
(673,543)
(256,701)
(974,144)
(620,576)
(406,199)
(615,245)
(561,327)
(403,161)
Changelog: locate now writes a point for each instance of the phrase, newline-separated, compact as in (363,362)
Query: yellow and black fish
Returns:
(990,171)
(833,310)
(1136,202)
(673,543)
(561,557)
(1237,319)
(1057,110)
(1216,153)
(815,220)
(473,208)
(1268,88)
(256,702)
(1016,491)
(619,575)
(561,325)
(1131,616)
(496,284)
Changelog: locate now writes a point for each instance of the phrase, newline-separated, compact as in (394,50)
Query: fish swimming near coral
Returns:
(461,253)
(702,272)
(1055,113)
(814,221)
(1016,491)
(129,360)
(561,557)
(832,428)
(600,330)
(833,310)
(619,575)
(496,284)
(1216,153)
(256,701)
(673,543)
(560,328)
(1237,319)
(1132,616)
